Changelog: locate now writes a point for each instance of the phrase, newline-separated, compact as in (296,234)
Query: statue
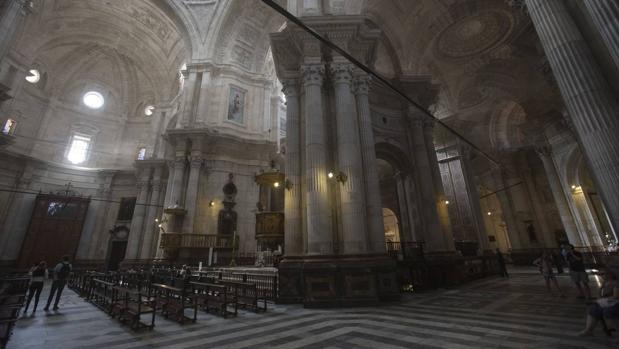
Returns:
(226,222)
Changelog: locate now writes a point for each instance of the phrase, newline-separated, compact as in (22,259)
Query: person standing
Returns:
(501,262)
(61,273)
(544,263)
(38,275)
(578,273)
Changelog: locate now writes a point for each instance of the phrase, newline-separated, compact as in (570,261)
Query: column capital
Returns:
(179,162)
(313,74)
(341,72)
(361,84)
(290,88)
(196,161)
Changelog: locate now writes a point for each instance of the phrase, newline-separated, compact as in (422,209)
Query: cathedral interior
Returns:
(309,173)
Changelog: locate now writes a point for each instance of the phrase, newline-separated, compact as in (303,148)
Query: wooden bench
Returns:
(246,294)
(12,298)
(173,301)
(211,296)
(103,294)
(131,305)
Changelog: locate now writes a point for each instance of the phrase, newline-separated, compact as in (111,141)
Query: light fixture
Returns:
(340,177)
(156,220)
(446,202)
(211,203)
(330,174)
(93,100)
(160,225)
(148,111)
(489,213)
(276,184)
(573,186)
(34,76)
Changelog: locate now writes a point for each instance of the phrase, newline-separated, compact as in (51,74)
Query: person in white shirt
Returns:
(38,275)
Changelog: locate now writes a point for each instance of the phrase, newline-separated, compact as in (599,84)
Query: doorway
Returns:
(117,254)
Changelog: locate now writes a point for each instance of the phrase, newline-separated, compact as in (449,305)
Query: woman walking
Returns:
(38,275)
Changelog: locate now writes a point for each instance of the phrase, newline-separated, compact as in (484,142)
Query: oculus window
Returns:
(93,100)
(148,111)
(9,127)
(141,153)
(33,76)
(79,147)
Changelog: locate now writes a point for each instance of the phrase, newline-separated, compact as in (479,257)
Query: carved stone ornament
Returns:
(313,74)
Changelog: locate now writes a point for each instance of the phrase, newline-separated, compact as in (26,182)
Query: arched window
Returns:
(9,127)
(79,148)
(141,153)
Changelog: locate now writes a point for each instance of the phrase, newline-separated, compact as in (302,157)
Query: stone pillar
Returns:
(191,193)
(538,210)
(20,211)
(446,241)
(187,116)
(473,198)
(12,15)
(605,16)
(353,211)
(319,229)
(137,222)
(176,192)
(151,227)
(292,211)
(567,218)
(592,106)
(414,215)
(432,229)
(373,206)
(99,239)
(404,219)
(511,225)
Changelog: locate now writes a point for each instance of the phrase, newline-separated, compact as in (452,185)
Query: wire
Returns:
(334,47)
(87,197)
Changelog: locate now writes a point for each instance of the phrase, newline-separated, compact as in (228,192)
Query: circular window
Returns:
(148,111)
(93,100)
(34,76)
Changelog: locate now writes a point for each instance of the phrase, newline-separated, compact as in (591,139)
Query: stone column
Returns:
(412,200)
(567,218)
(319,229)
(151,227)
(292,210)
(19,214)
(187,116)
(353,211)
(446,241)
(100,235)
(432,229)
(513,232)
(191,193)
(176,192)
(406,230)
(12,15)
(473,198)
(137,222)
(538,210)
(373,206)
(592,106)
(605,16)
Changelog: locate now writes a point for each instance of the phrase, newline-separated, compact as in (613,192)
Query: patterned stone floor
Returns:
(491,313)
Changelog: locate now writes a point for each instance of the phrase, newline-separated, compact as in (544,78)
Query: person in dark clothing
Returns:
(557,262)
(61,273)
(38,275)
(578,273)
(501,262)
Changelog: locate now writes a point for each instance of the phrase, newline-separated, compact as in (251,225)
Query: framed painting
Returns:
(236,104)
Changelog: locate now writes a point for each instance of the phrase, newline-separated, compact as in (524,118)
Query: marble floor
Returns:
(490,313)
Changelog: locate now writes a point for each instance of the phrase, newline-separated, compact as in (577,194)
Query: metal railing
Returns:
(178,240)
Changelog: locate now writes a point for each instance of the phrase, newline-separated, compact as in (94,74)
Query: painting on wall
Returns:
(236,103)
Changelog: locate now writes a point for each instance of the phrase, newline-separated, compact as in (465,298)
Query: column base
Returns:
(337,281)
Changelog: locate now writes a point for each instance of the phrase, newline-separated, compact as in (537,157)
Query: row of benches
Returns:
(129,302)
(12,297)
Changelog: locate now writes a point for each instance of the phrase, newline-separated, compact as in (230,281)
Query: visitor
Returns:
(38,275)
(607,306)
(558,261)
(501,262)
(544,263)
(61,273)
(578,273)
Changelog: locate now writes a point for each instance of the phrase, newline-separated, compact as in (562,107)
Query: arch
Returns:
(391,225)
(394,156)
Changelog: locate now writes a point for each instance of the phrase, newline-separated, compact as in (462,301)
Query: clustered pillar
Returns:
(592,107)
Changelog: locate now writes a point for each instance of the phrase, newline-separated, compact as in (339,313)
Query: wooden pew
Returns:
(131,305)
(246,294)
(12,297)
(173,301)
(214,296)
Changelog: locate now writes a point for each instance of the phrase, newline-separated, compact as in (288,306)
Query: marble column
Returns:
(538,210)
(446,240)
(18,217)
(567,218)
(511,224)
(137,222)
(591,104)
(10,19)
(100,235)
(406,230)
(187,116)
(412,201)
(373,205)
(432,229)
(352,196)
(319,228)
(292,210)
(473,198)
(151,227)
(176,192)
(191,193)
(605,16)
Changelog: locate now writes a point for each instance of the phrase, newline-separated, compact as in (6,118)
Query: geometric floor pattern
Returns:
(490,313)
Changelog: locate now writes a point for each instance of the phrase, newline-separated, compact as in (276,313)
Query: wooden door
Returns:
(117,254)
(55,229)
